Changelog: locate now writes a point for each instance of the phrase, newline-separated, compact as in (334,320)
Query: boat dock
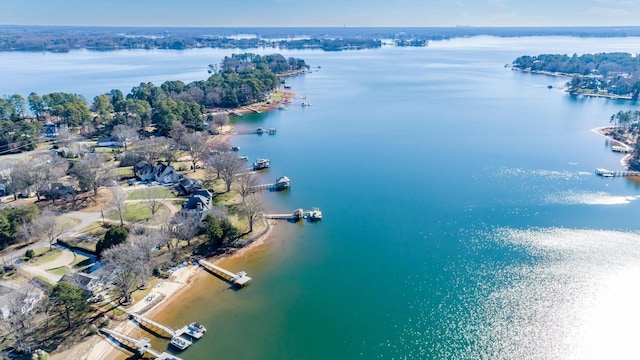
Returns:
(154,327)
(142,345)
(253,109)
(240,279)
(612,173)
(259,131)
(297,215)
(281,183)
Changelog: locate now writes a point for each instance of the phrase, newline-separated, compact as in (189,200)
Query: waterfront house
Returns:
(187,186)
(199,202)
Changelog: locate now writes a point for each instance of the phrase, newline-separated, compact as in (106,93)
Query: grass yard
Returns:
(156,192)
(46,256)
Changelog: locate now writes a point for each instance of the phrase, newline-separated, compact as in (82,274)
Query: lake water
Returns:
(462,218)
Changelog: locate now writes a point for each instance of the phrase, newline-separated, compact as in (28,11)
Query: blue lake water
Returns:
(462,216)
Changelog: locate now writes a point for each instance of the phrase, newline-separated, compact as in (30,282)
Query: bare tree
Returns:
(65,135)
(22,311)
(252,209)
(132,267)
(196,146)
(125,133)
(45,169)
(217,121)
(186,225)
(92,173)
(16,176)
(119,202)
(155,198)
(231,167)
(245,185)
(48,225)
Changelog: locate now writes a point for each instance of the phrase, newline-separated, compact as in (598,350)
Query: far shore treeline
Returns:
(613,74)
(239,80)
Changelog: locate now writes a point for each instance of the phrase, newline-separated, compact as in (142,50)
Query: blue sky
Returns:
(353,13)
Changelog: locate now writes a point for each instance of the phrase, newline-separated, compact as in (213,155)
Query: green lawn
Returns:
(46,257)
(61,271)
(157,193)
(139,212)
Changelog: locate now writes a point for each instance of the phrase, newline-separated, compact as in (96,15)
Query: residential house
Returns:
(187,186)
(161,173)
(144,171)
(199,202)
(167,174)
(110,142)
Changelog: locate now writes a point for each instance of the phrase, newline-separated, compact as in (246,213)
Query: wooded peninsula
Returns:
(143,182)
(610,75)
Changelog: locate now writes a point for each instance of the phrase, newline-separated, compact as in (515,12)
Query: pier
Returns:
(154,327)
(298,214)
(259,131)
(612,173)
(253,109)
(142,345)
(240,279)
(281,183)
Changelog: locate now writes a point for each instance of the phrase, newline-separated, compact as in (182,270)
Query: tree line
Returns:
(241,79)
(614,73)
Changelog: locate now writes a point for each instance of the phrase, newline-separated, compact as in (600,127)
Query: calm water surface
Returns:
(462,216)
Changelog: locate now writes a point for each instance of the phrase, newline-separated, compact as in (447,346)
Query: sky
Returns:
(321,13)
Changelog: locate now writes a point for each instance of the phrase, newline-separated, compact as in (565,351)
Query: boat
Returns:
(261,164)
(243,157)
(195,330)
(235,148)
(306,104)
(198,326)
(180,342)
(315,215)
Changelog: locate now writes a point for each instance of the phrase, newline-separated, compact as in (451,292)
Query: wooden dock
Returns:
(612,173)
(280,184)
(142,345)
(297,215)
(259,131)
(155,327)
(240,279)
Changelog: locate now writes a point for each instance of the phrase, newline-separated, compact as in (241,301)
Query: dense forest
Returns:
(612,74)
(240,79)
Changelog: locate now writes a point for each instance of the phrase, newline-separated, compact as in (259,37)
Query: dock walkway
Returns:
(240,279)
(612,173)
(142,345)
(298,214)
(259,131)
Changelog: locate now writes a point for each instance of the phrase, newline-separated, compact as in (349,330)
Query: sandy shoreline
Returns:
(171,290)
(605,131)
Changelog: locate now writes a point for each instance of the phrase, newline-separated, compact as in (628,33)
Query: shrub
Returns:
(29,254)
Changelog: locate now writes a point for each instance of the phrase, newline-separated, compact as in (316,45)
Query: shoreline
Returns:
(171,290)
(605,132)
